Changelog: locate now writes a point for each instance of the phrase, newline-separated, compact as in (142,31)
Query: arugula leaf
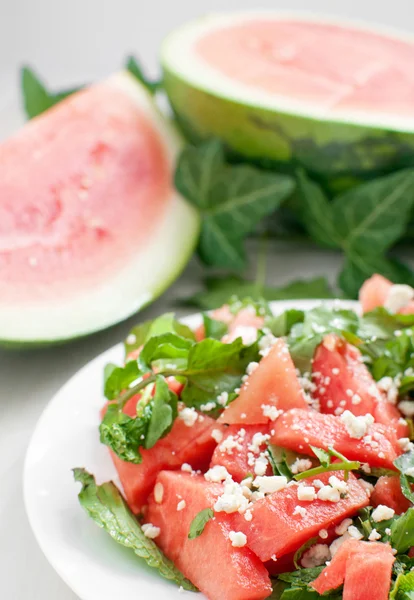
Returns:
(402,531)
(106,506)
(213,328)
(36,97)
(218,291)
(278,458)
(133,66)
(232,200)
(117,379)
(403,463)
(199,522)
(166,323)
(403,588)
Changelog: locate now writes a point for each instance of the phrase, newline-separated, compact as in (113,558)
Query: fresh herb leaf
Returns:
(167,346)
(166,323)
(323,456)
(117,379)
(232,200)
(281,325)
(300,551)
(199,522)
(134,67)
(36,97)
(403,463)
(301,577)
(327,466)
(402,531)
(278,458)
(106,506)
(403,588)
(213,328)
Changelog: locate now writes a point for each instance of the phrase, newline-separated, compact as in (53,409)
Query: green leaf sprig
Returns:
(199,522)
(325,457)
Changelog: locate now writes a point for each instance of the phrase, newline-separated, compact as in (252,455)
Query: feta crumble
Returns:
(316,556)
(158,493)
(269,485)
(238,539)
(189,416)
(181,505)
(356,427)
(398,297)
(306,493)
(271,412)
(300,465)
(150,531)
(217,435)
(216,474)
(382,513)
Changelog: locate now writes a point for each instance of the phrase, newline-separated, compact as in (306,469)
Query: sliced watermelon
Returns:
(374,292)
(372,582)
(265,85)
(219,570)
(299,429)
(192,445)
(273,383)
(387,491)
(277,528)
(388,414)
(91,226)
(245,325)
(236,460)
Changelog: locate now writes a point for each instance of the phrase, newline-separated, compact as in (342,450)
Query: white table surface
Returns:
(73,42)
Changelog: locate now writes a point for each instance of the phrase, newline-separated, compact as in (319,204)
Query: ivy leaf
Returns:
(232,200)
(106,506)
(36,97)
(199,522)
(134,67)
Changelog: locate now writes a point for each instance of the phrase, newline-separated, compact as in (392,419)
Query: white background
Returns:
(74,41)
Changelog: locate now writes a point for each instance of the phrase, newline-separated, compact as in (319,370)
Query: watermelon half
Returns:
(91,227)
(333,96)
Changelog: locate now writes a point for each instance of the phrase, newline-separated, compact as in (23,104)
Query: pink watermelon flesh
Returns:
(95,173)
(353,71)
(193,445)
(272,384)
(344,568)
(220,571)
(387,491)
(276,531)
(374,292)
(298,430)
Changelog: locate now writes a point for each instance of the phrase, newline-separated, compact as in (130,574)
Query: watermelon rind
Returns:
(140,281)
(271,130)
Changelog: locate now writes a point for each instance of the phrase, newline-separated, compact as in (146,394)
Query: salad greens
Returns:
(106,506)
(199,522)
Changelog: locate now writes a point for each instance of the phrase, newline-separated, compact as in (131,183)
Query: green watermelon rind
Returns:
(333,150)
(179,251)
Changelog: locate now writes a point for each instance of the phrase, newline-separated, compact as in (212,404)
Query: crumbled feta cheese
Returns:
(323,534)
(398,297)
(356,399)
(382,513)
(316,556)
(374,536)
(407,408)
(248,515)
(337,484)
(181,505)
(269,485)
(229,444)
(150,531)
(251,367)
(216,474)
(387,531)
(300,510)
(329,494)
(336,544)
(271,412)
(389,386)
(405,444)
(306,493)
(258,440)
(343,526)
(232,500)
(318,483)
(187,468)
(300,465)
(188,415)
(260,465)
(366,468)
(368,487)
(335,371)
(238,539)
(355,533)
(357,427)
(217,435)
(131,339)
(223,398)
(208,406)
(409,472)
(158,492)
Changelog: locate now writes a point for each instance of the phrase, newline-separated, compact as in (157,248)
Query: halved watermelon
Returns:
(364,567)
(278,527)
(192,445)
(374,292)
(387,491)
(91,228)
(273,384)
(299,429)
(265,84)
(219,570)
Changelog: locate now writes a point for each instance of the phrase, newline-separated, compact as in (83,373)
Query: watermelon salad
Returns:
(265,455)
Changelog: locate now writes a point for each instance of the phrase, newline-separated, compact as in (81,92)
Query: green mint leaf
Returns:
(323,456)
(163,412)
(302,594)
(278,458)
(301,577)
(219,291)
(213,328)
(403,588)
(379,323)
(232,200)
(133,66)
(281,325)
(117,379)
(166,323)
(36,97)
(402,531)
(199,522)
(403,463)
(106,506)
(167,346)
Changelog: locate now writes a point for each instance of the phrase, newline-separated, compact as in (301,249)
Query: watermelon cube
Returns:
(387,491)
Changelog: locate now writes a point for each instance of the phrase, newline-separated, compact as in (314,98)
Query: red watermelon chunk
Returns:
(363,567)
(388,414)
(278,527)
(236,459)
(299,429)
(245,325)
(374,292)
(219,570)
(388,492)
(193,445)
(273,384)
(343,381)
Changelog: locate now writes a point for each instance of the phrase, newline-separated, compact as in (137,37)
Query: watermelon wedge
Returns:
(91,228)
(265,84)
(387,491)
(219,570)
(374,292)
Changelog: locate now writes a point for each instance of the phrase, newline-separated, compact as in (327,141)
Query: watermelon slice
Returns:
(387,491)
(264,83)
(364,567)
(278,527)
(299,429)
(374,292)
(273,384)
(91,228)
(219,570)
(192,445)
